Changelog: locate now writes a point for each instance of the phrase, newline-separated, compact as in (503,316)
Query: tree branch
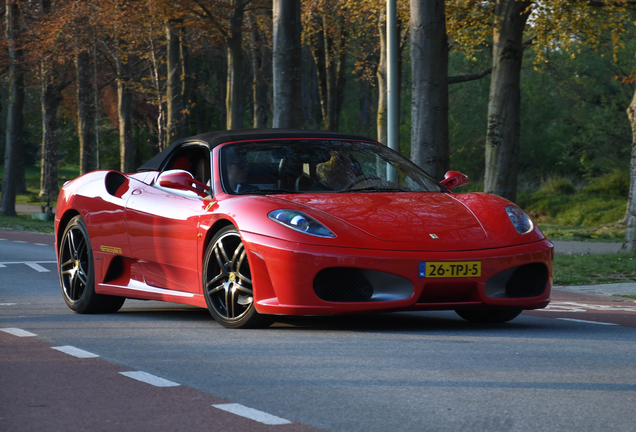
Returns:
(470,77)
(212,18)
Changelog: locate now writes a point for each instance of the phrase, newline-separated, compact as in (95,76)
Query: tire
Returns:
(77,273)
(227,282)
(497,316)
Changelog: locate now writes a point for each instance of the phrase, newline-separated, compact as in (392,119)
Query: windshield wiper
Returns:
(374,189)
(265,192)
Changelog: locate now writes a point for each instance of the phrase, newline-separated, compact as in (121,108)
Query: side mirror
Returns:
(182,180)
(454,179)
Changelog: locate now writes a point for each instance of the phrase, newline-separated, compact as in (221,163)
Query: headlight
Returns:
(300,222)
(522,222)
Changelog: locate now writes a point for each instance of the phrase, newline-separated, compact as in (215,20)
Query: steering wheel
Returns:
(359,179)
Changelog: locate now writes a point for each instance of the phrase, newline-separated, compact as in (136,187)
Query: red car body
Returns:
(150,242)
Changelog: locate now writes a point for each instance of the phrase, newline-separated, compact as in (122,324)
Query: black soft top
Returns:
(213,139)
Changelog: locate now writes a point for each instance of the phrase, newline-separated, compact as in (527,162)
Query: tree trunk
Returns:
(175,108)
(504,106)
(381,118)
(287,64)
(330,56)
(234,97)
(260,87)
(154,73)
(309,89)
(630,214)
(51,97)
(186,82)
(14,152)
(85,112)
(318,53)
(124,115)
(429,103)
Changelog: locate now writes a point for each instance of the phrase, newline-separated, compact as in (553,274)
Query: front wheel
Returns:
(227,282)
(489,316)
(77,273)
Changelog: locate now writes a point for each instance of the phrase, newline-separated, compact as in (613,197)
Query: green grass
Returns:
(594,269)
(32,177)
(24,223)
(603,233)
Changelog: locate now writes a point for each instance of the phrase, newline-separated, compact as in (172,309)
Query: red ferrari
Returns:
(257,223)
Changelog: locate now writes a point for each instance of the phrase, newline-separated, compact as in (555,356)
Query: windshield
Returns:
(301,166)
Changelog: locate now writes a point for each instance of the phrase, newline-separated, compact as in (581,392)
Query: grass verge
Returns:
(25,223)
(594,269)
(604,233)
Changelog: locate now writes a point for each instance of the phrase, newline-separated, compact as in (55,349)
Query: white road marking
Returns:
(75,352)
(586,321)
(252,414)
(18,241)
(149,379)
(40,244)
(584,307)
(8,304)
(37,267)
(18,332)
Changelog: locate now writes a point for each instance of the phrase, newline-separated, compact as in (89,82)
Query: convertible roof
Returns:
(213,139)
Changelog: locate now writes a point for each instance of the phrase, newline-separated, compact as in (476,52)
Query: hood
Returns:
(398,217)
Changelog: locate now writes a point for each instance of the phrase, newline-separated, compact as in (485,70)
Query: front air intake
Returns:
(527,281)
(342,284)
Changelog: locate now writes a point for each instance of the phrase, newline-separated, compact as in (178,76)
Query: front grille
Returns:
(342,284)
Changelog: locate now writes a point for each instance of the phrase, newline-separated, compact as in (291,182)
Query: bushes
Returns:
(559,202)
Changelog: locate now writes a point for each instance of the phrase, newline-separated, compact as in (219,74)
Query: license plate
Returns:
(434,269)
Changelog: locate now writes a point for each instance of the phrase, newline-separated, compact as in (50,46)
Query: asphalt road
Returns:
(568,368)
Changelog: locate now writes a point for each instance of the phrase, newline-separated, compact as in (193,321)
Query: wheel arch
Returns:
(215,228)
(64,221)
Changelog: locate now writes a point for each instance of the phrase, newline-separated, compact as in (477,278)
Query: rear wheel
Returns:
(489,316)
(227,282)
(77,273)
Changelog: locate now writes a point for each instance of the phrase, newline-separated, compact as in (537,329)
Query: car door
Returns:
(162,228)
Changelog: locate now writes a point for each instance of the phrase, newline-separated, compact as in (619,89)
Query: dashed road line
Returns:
(252,414)
(149,379)
(75,352)
(18,241)
(587,321)
(17,332)
(39,244)
(35,265)
(8,304)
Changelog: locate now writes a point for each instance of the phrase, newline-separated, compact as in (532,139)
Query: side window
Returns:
(195,159)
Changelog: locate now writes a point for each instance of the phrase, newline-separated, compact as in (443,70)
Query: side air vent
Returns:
(114,181)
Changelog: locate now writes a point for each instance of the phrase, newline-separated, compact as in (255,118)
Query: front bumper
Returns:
(284,273)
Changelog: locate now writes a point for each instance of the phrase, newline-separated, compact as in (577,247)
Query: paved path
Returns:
(29,208)
(580,247)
